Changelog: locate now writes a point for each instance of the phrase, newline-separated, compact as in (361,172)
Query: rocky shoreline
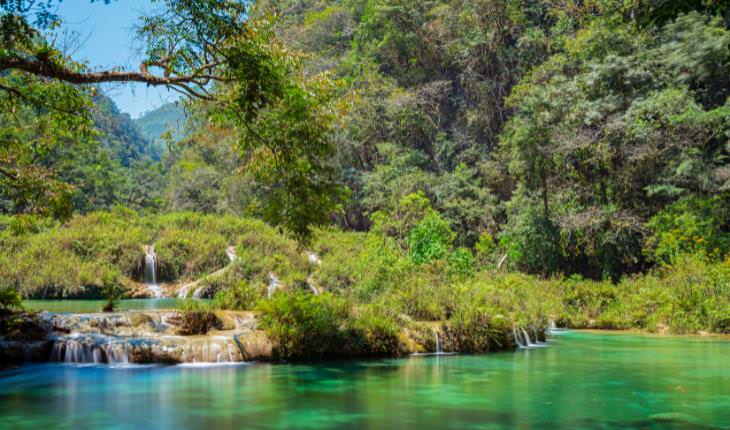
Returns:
(162,336)
(134,337)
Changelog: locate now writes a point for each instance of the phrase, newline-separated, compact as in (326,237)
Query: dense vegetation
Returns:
(486,163)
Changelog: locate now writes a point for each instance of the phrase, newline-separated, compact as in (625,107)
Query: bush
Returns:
(475,329)
(197,319)
(241,295)
(532,243)
(693,225)
(375,332)
(303,325)
(430,239)
(10,299)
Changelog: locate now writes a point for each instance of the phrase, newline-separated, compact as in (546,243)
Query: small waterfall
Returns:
(314,289)
(89,349)
(150,271)
(231,253)
(273,284)
(183,292)
(528,342)
(518,340)
(313,258)
(198,293)
(438,344)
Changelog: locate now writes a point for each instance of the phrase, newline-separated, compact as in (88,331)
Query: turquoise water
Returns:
(88,306)
(582,381)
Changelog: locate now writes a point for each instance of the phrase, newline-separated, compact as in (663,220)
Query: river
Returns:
(581,380)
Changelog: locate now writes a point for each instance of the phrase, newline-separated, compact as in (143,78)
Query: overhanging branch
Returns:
(49,69)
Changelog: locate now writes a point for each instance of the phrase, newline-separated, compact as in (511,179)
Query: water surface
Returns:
(89,306)
(582,381)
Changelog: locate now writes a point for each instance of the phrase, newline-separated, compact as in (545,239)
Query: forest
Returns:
(471,162)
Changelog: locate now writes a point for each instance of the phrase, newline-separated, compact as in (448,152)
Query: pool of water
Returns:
(582,381)
(88,306)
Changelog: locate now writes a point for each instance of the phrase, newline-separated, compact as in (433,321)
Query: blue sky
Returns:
(105,30)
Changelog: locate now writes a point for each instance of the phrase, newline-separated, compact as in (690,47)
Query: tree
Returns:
(213,52)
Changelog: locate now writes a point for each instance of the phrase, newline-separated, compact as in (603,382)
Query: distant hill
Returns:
(168,117)
(120,135)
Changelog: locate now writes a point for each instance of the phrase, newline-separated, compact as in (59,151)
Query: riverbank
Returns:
(174,337)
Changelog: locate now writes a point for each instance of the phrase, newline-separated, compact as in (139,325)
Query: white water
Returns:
(518,339)
(150,271)
(526,337)
(313,258)
(438,344)
(231,253)
(273,284)
(183,292)
(87,349)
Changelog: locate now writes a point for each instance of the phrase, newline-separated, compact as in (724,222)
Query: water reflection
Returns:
(582,381)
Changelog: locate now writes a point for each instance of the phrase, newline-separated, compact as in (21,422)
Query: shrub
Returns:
(241,295)
(10,299)
(430,239)
(303,325)
(532,243)
(197,318)
(693,225)
(484,247)
(111,290)
(474,329)
(375,332)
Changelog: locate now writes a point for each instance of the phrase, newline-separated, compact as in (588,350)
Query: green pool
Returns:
(88,306)
(582,381)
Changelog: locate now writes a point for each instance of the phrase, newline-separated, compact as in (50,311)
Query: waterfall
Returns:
(273,284)
(313,258)
(438,344)
(231,253)
(89,349)
(183,292)
(150,271)
(528,342)
(314,289)
(198,293)
(518,340)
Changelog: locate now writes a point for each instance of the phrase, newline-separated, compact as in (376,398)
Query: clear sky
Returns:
(107,40)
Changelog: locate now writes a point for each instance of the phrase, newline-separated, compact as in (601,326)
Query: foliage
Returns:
(616,127)
(240,295)
(430,239)
(303,325)
(196,318)
(690,226)
(111,290)
(10,299)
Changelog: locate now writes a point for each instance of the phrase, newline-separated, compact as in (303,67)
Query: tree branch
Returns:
(49,69)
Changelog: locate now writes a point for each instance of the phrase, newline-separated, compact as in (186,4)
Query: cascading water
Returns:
(231,253)
(518,340)
(438,343)
(150,271)
(89,349)
(198,292)
(313,258)
(526,336)
(273,285)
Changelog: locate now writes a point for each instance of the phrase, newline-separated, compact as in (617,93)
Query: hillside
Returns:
(168,117)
